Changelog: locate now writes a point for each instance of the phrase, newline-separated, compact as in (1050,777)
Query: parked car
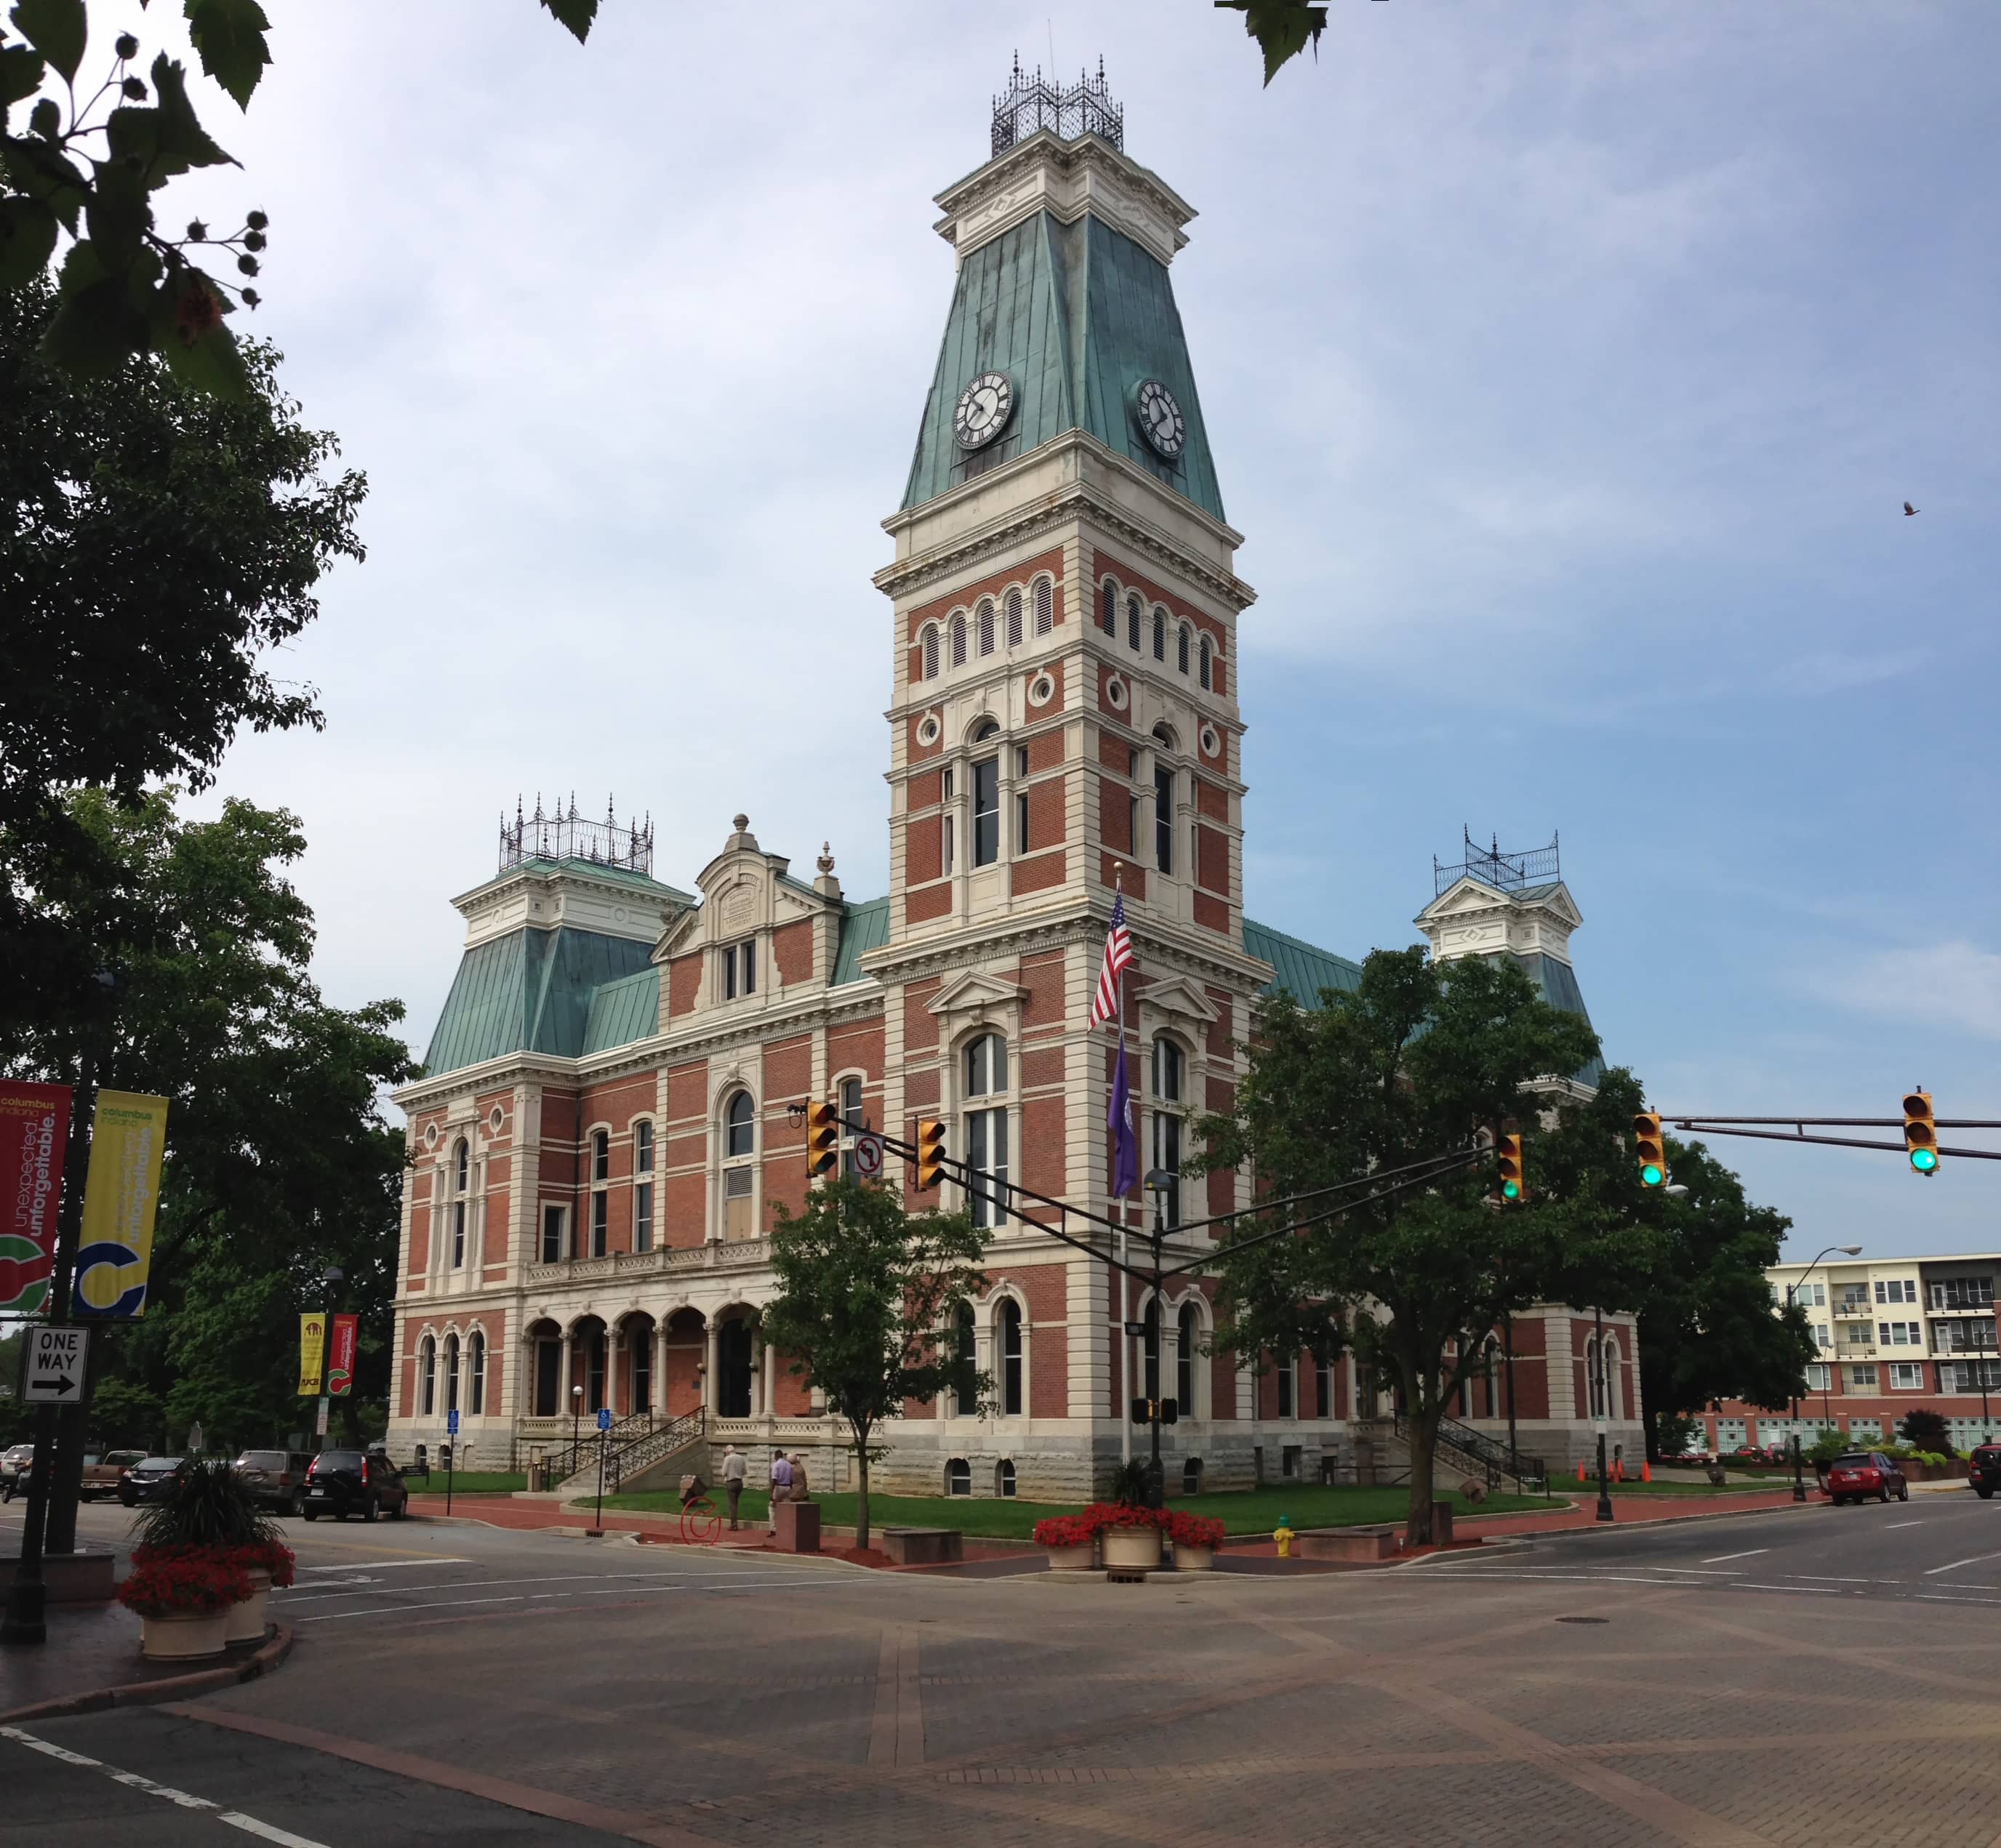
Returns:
(1983,1469)
(147,1479)
(277,1478)
(16,1462)
(102,1475)
(344,1482)
(1858,1474)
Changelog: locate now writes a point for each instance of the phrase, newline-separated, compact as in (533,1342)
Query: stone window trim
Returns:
(994,624)
(736,1162)
(459,1172)
(426,1392)
(985,1068)
(644,1219)
(993,1357)
(848,1088)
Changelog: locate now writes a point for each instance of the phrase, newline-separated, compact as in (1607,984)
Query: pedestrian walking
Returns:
(736,1468)
(781,1483)
(798,1463)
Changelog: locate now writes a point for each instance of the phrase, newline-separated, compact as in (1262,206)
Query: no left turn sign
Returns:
(868,1156)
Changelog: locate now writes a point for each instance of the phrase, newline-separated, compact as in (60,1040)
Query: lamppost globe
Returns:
(333,1276)
(1852,1250)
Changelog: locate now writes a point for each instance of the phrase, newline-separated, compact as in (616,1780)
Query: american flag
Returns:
(1118,954)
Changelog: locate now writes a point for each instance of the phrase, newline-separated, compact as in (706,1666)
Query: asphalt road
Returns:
(1655,1687)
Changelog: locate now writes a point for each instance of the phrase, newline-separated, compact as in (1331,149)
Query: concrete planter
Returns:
(185,1636)
(1130,1549)
(1194,1559)
(246,1620)
(1070,1559)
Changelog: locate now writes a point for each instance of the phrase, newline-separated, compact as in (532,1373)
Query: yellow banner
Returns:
(312,1353)
(115,1256)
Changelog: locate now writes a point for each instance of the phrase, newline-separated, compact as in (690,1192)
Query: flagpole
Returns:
(1125,1285)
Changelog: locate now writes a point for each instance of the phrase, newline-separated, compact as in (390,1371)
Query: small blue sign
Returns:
(605,1418)
(451,1422)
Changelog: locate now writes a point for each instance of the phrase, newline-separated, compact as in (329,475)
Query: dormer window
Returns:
(739,964)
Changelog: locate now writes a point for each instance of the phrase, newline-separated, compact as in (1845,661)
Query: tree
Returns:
(867,1293)
(161,542)
(1415,1064)
(1708,1329)
(1924,1429)
(1282,28)
(126,289)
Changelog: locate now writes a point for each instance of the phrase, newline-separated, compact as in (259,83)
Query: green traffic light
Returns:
(1924,1160)
(1650,1176)
(1511,1190)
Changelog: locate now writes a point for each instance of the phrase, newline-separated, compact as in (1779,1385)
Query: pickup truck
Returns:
(101,1473)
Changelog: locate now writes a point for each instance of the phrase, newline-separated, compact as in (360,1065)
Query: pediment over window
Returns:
(1179,998)
(974,994)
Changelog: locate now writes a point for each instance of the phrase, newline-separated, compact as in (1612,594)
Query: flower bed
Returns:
(1175,1524)
(183,1582)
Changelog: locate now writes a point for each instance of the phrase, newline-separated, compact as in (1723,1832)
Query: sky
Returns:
(1566,370)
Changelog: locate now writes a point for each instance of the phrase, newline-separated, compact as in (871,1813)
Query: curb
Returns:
(1499,1543)
(1669,1520)
(261,1662)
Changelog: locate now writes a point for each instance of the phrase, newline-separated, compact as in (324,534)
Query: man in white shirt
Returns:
(736,1467)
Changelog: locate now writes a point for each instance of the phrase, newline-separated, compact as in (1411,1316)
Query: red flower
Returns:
(183,1581)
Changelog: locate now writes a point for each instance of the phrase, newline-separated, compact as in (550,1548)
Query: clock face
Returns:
(1160,420)
(984,408)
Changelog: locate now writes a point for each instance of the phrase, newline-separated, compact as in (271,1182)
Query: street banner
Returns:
(340,1369)
(128,1136)
(34,1126)
(312,1351)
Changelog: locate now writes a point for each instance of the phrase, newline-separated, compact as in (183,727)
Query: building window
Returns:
(1192,1476)
(596,1354)
(1188,1327)
(958,641)
(1893,1290)
(986,1127)
(1202,664)
(475,1373)
(1159,634)
(1182,649)
(1287,1370)
(1898,1334)
(1108,607)
(1818,1376)
(929,641)
(964,1354)
(1170,1064)
(1163,819)
(1011,1399)
(984,619)
(1323,1390)
(1907,1377)
(426,1376)
(600,1223)
(740,1142)
(958,1477)
(642,1186)
(600,1155)
(986,811)
(1963,1292)
(1133,620)
(451,1372)
(739,969)
(1821,1336)
(1014,619)
(1003,1480)
(552,1233)
(1863,1378)
(1970,1376)
(1045,620)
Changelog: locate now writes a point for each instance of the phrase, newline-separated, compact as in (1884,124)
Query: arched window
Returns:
(986,1127)
(1014,619)
(1108,607)
(986,621)
(740,1119)
(986,799)
(461,1178)
(426,1376)
(1188,1327)
(1202,664)
(1192,1476)
(451,1372)
(475,1373)
(1045,617)
(958,1477)
(1182,649)
(1169,1068)
(1133,619)
(965,1354)
(1003,1480)
(1159,634)
(1009,1319)
(958,641)
(601,1193)
(740,1144)
(642,1185)
(930,641)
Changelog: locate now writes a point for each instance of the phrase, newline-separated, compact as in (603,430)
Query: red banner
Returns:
(34,1127)
(340,1369)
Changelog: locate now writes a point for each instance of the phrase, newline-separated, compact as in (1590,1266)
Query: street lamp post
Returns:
(1792,1292)
(576,1414)
(331,1279)
(1159,1183)
(1601,1412)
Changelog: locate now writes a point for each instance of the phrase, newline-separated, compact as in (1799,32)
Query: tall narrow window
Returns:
(986,619)
(595,1355)
(739,1141)
(1323,1390)
(600,1197)
(739,969)
(1202,664)
(1021,800)
(475,1373)
(1159,634)
(426,1376)
(1182,649)
(451,1372)
(987,811)
(641,1349)
(1163,819)
(965,1343)
(461,1177)
(1045,601)
(958,641)
(1288,1370)
(552,1234)
(986,1127)
(932,653)
(642,1186)
(1168,1073)
(1108,607)
(1189,1327)
(1014,619)
(1133,619)
(600,1155)
(1010,1358)
(852,1121)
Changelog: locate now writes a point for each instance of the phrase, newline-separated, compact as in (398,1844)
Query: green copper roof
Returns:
(863,927)
(623,1011)
(530,991)
(1558,982)
(1076,315)
(1302,970)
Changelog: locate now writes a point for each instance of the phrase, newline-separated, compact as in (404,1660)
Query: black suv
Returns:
(277,1478)
(344,1482)
(1983,1469)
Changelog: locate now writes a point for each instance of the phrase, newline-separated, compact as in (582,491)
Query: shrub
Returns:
(208,1505)
(1186,1530)
(1130,1483)
(184,1584)
(1925,1428)
(1066,1530)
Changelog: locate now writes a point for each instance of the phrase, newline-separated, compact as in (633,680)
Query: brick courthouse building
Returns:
(604,1126)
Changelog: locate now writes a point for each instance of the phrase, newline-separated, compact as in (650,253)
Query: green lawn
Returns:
(470,1482)
(1253,1511)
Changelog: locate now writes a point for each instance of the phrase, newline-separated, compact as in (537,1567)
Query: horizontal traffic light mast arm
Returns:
(1696,1120)
(1715,1128)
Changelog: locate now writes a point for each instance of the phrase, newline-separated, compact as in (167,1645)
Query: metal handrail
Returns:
(1476,1450)
(650,1447)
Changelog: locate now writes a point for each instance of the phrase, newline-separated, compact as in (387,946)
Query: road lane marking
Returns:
(182,1799)
(1836,1578)
(1895,1525)
(396,1610)
(1752,1553)
(622,1581)
(1820,1591)
(1977,1558)
(387,1565)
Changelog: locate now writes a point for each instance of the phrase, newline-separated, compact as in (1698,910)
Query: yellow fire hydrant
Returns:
(1282,1534)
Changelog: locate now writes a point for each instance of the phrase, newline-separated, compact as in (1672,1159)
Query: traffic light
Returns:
(930,1152)
(1921,1132)
(823,1138)
(1142,1411)
(1650,1150)
(1508,1150)
(1171,1411)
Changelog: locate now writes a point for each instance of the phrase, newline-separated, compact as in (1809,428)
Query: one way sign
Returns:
(54,1371)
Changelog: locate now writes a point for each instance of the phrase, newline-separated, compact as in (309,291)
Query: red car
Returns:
(1861,1474)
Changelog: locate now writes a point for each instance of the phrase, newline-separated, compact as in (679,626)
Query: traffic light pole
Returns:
(1695,1125)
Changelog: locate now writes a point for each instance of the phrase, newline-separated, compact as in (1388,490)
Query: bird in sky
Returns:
(1908,510)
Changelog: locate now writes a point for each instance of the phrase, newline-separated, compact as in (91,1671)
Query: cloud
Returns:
(1955,985)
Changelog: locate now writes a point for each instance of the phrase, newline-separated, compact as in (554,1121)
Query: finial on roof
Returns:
(825,862)
(739,823)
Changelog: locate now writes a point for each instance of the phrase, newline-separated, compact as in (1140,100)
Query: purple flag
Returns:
(1124,1137)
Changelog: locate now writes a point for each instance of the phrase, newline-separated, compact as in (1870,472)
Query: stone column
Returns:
(659,1338)
(770,1402)
(712,1352)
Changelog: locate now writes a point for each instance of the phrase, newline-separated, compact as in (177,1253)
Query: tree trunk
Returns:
(1423,1428)
(861,1495)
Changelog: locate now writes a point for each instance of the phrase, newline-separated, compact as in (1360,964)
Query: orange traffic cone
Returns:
(1580,1472)
(1646,1471)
